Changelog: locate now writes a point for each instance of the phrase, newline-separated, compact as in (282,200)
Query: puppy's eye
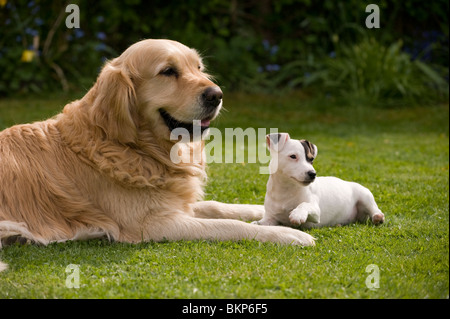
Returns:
(169,71)
(293,156)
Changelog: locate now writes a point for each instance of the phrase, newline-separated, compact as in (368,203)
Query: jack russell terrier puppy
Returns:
(295,196)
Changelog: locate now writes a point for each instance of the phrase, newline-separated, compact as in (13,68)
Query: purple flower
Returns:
(101,35)
(274,50)
(79,33)
(39,21)
(31,32)
(273,67)
(35,10)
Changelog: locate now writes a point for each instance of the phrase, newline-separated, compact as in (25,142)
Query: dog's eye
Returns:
(293,156)
(169,72)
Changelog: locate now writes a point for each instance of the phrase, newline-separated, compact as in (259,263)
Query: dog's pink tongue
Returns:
(205,122)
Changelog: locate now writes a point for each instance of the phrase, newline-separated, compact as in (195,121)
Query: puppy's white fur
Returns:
(296,197)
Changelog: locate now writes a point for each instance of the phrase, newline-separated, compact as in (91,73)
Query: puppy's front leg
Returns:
(305,212)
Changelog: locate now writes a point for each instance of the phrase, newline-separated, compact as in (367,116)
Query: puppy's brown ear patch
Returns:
(310,150)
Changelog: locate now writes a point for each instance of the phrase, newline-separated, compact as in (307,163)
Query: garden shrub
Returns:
(369,72)
(261,46)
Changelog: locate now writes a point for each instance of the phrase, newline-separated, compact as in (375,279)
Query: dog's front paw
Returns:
(298,216)
(284,235)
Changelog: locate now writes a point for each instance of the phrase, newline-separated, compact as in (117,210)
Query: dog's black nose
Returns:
(312,175)
(212,97)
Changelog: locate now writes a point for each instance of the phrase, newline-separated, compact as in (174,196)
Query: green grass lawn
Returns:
(401,154)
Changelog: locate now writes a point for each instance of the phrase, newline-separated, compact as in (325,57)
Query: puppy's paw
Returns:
(298,216)
(378,218)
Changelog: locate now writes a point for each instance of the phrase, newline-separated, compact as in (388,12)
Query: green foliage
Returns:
(262,46)
(369,72)
(60,58)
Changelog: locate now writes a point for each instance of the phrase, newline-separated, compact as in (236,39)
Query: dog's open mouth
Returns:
(173,123)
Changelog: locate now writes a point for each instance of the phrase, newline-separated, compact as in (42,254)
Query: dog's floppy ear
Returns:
(114,105)
(275,141)
(310,150)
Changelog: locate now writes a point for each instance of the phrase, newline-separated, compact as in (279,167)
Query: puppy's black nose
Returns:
(212,97)
(312,175)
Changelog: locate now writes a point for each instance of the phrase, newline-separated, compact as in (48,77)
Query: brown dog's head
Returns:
(161,83)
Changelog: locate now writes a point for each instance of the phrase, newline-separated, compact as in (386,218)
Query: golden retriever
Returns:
(102,166)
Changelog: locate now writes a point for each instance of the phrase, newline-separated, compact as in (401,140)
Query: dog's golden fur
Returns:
(102,166)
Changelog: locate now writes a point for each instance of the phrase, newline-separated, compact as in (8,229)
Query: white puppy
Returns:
(295,196)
